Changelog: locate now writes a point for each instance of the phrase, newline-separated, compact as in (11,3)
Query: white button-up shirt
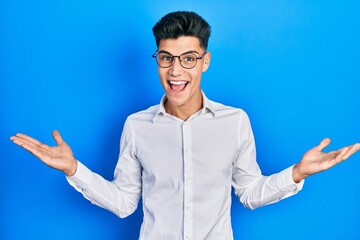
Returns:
(184,171)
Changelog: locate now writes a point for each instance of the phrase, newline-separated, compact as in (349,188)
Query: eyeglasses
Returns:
(187,60)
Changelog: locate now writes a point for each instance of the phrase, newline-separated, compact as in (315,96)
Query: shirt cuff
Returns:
(286,179)
(82,177)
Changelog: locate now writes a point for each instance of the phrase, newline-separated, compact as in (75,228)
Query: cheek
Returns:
(162,76)
(162,73)
(196,75)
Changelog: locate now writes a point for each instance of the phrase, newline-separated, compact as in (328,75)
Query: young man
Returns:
(184,155)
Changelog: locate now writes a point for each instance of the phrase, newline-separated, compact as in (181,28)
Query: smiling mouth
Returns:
(178,86)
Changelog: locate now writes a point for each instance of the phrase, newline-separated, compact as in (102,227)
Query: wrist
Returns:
(72,170)
(296,174)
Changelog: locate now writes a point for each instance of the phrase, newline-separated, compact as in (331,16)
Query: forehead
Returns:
(180,45)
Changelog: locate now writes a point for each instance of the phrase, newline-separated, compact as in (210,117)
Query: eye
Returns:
(189,58)
(165,57)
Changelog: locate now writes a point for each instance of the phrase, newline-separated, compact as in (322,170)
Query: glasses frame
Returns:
(197,58)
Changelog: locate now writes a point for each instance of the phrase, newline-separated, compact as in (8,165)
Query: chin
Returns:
(176,100)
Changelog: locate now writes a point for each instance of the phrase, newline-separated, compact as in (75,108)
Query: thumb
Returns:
(57,137)
(323,144)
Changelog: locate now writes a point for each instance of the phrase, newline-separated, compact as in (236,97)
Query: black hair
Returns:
(182,23)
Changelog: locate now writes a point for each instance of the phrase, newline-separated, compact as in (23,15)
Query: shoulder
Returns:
(146,115)
(222,110)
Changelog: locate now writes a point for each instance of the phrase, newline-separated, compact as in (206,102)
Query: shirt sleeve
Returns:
(251,187)
(120,196)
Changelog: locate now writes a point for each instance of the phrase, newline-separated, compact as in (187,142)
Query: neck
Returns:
(186,110)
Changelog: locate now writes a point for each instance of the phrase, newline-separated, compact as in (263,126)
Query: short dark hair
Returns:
(182,23)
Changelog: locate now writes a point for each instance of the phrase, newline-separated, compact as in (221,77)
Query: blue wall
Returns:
(83,66)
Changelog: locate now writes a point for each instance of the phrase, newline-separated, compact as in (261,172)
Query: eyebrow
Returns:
(191,51)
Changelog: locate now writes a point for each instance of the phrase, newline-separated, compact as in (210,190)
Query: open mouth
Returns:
(178,86)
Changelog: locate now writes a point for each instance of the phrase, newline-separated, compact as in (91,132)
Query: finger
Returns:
(333,154)
(22,139)
(45,156)
(25,144)
(323,144)
(57,137)
(339,157)
(34,150)
(27,138)
(21,142)
(37,153)
(351,150)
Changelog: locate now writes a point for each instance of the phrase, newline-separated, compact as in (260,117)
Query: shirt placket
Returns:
(188,178)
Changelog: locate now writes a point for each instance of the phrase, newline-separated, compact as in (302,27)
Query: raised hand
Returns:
(315,160)
(59,157)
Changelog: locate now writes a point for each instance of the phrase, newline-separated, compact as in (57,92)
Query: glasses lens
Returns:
(164,59)
(188,60)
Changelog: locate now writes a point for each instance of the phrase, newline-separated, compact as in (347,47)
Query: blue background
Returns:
(83,66)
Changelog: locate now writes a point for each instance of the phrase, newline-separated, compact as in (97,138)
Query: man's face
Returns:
(182,86)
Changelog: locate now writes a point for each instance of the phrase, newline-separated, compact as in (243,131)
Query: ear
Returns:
(206,63)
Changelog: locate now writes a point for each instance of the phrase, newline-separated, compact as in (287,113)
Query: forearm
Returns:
(104,193)
(269,189)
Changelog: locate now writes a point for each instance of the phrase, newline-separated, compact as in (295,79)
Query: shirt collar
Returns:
(207,107)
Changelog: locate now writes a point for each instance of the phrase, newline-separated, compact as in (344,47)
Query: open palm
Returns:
(59,157)
(315,160)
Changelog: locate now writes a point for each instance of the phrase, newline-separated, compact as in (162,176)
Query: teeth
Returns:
(177,82)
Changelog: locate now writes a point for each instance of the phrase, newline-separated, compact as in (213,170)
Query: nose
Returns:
(176,69)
